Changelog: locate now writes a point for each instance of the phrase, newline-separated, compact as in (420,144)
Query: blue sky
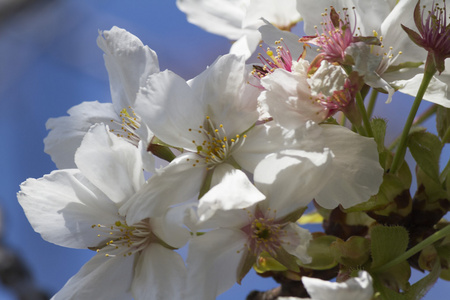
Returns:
(50,62)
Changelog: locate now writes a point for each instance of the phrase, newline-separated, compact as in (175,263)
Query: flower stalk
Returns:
(430,70)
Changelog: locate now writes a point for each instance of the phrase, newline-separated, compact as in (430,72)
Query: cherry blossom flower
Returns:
(357,288)
(338,34)
(129,63)
(333,176)
(222,256)
(80,208)
(239,20)
(394,64)
(294,97)
(212,118)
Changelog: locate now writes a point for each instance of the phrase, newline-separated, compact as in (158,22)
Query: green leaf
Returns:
(351,253)
(382,236)
(320,252)
(379,132)
(428,189)
(265,262)
(426,149)
(443,123)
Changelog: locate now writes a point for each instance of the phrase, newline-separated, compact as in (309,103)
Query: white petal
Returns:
(170,227)
(160,273)
(111,163)
(281,15)
(355,173)
(168,106)
(216,16)
(358,288)
(276,173)
(233,191)
(437,91)
(213,262)
(246,44)
(148,159)
(176,183)
(296,242)
(261,141)
(288,97)
(369,14)
(128,62)
(66,133)
(100,278)
(227,97)
(271,34)
(62,207)
(394,35)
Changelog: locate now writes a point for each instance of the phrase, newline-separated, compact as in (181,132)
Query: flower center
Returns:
(127,129)
(282,60)
(337,35)
(263,234)
(123,240)
(215,146)
(387,58)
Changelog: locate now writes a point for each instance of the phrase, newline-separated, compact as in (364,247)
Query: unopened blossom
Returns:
(238,20)
(81,208)
(356,288)
(129,63)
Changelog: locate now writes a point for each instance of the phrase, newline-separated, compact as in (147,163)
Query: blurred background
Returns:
(49,62)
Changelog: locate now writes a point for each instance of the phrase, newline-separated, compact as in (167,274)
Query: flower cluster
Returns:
(228,162)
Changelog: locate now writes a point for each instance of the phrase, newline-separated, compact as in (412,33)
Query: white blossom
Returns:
(80,208)
(129,63)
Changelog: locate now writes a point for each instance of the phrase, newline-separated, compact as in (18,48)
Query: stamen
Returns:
(130,123)
(216,146)
(124,240)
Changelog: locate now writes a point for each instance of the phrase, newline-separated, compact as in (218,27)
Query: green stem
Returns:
(401,150)
(417,121)
(372,101)
(342,120)
(417,248)
(359,129)
(365,118)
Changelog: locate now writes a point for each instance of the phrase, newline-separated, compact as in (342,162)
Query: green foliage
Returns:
(426,149)
(415,292)
(429,190)
(382,236)
(379,132)
(352,253)
(320,251)
(389,242)
(266,262)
